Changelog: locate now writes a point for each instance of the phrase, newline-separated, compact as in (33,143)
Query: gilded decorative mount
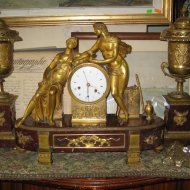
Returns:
(149,110)
(180,118)
(178,37)
(7,39)
(89,141)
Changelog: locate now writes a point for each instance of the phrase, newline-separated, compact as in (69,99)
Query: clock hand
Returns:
(95,88)
(88,85)
(85,76)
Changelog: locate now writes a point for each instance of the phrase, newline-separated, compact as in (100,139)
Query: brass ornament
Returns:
(134,148)
(150,139)
(44,149)
(7,136)
(7,39)
(180,118)
(2,119)
(24,139)
(90,111)
(43,140)
(149,110)
(44,157)
(140,91)
(89,141)
(132,99)
(178,37)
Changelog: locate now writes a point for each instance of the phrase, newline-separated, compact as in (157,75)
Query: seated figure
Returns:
(48,96)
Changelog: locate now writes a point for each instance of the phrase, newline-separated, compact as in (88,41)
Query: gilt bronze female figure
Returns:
(48,96)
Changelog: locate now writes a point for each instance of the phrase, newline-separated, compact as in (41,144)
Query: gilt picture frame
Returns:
(159,12)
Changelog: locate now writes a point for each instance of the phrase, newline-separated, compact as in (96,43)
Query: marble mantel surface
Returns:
(16,165)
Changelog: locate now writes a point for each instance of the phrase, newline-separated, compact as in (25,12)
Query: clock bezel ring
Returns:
(102,69)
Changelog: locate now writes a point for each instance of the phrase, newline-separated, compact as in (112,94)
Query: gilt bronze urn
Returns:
(7,101)
(7,39)
(177,104)
(178,37)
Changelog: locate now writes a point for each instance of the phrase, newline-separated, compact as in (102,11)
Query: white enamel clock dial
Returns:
(88,83)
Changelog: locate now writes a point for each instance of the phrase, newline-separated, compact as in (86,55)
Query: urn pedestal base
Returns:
(135,136)
(177,118)
(7,120)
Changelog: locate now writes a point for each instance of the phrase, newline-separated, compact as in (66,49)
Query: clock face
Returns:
(89,83)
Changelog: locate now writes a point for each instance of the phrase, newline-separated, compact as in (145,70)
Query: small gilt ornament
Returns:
(180,118)
(24,139)
(150,139)
(2,119)
(149,110)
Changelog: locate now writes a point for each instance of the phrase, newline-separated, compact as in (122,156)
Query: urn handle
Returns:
(165,65)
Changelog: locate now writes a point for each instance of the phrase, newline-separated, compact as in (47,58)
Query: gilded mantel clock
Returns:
(89,86)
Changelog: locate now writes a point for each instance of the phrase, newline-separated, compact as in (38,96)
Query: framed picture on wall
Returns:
(59,12)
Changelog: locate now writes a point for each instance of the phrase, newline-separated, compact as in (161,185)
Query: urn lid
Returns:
(7,34)
(179,30)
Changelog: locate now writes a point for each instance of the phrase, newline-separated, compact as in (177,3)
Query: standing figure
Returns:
(48,96)
(114,52)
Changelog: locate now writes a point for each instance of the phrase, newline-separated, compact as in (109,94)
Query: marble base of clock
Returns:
(135,136)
